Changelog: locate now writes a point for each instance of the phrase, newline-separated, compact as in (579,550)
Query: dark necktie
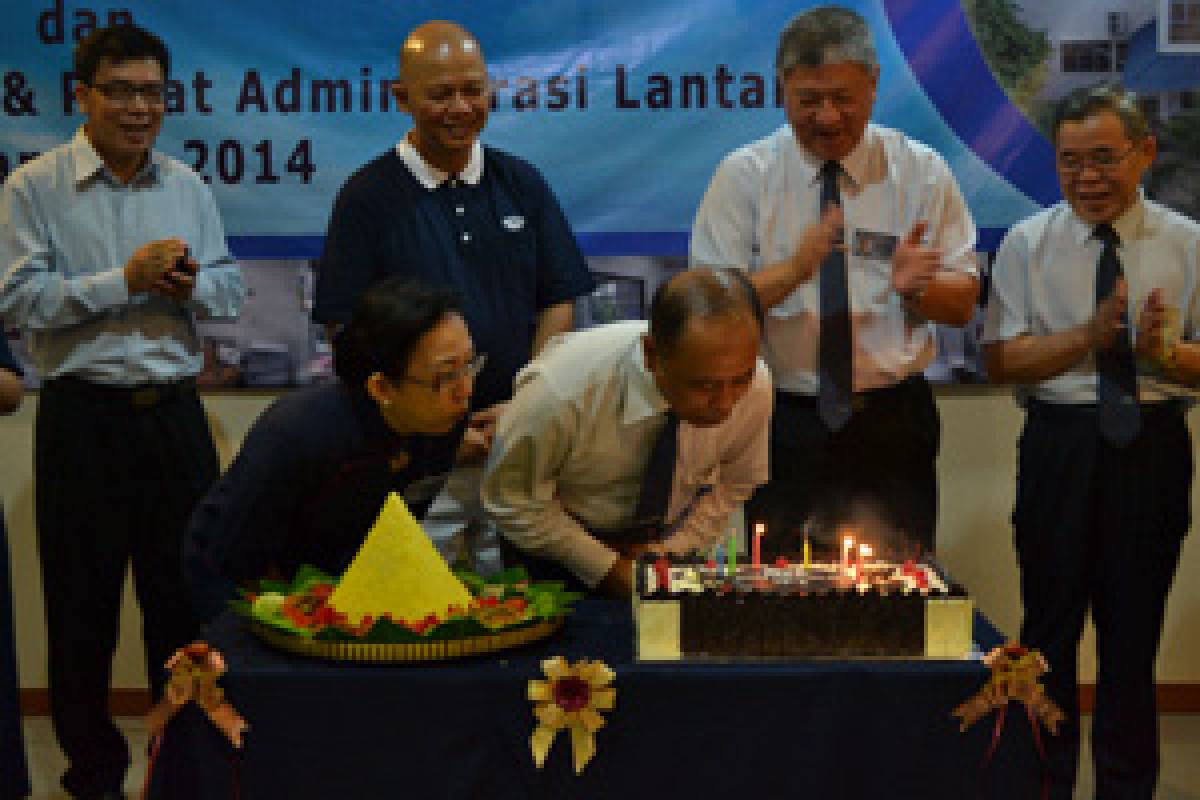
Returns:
(835,357)
(659,476)
(1116,372)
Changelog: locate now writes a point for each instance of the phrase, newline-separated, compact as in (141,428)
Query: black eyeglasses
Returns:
(122,93)
(1099,160)
(444,380)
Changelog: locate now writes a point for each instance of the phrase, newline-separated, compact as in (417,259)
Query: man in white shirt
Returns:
(574,459)
(1081,293)
(857,239)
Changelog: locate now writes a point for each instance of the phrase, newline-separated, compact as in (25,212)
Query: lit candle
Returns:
(847,547)
(864,552)
(807,553)
(759,529)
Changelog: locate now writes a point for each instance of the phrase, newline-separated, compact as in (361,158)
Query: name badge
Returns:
(871,244)
(513,223)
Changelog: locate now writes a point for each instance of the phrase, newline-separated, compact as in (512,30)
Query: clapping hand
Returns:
(914,265)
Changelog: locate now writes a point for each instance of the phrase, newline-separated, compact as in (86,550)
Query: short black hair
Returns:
(1087,101)
(383,333)
(706,292)
(116,44)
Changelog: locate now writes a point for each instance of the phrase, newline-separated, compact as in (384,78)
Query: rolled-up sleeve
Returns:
(744,466)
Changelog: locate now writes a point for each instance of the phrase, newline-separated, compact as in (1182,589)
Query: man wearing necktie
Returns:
(628,437)
(443,207)
(1086,295)
(857,239)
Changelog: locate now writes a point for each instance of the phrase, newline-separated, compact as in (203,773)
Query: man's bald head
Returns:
(703,343)
(444,86)
(435,42)
(701,293)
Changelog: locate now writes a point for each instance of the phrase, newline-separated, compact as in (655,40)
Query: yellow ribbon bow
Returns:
(572,697)
(194,673)
(1016,671)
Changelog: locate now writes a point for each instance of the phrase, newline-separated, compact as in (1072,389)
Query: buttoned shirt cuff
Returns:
(108,289)
(590,560)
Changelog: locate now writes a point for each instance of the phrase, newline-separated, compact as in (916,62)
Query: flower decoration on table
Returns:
(572,697)
(195,670)
(1016,674)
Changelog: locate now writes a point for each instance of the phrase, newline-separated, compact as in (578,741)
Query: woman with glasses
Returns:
(315,468)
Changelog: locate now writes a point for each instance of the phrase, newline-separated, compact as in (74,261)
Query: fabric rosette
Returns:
(571,697)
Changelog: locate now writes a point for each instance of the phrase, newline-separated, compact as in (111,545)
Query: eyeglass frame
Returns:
(1090,161)
(439,383)
(123,93)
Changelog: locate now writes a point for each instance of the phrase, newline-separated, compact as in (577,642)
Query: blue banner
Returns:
(626,106)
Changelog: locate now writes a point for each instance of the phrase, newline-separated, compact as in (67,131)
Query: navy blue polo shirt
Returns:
(504,244)
(305,488)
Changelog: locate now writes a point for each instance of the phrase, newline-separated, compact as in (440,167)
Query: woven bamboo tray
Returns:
(406,653)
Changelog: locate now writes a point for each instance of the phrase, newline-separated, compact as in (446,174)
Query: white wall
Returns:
(977,472)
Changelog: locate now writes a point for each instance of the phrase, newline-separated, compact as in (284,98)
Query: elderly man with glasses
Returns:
(858,240)
(109,253)
(1093,311)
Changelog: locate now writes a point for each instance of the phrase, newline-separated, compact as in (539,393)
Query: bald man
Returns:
(442,207)
(626,437)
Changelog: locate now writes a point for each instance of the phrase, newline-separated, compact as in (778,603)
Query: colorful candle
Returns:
(760,528)
(807,553)
(732,554)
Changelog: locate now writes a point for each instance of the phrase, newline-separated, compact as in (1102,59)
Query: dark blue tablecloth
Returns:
(820,729)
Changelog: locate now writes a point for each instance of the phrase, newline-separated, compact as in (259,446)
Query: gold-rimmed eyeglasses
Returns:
(444,380)
(1103,160)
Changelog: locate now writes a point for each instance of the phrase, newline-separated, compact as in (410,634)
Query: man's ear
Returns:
(377,389)
(400,92)
(80,91)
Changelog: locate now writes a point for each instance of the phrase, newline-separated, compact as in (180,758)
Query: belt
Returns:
(141,396)
(859,400)
(1044,409)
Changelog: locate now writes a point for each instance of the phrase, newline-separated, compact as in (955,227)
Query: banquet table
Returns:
(798,728)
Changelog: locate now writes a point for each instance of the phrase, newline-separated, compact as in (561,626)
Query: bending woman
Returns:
(315,468)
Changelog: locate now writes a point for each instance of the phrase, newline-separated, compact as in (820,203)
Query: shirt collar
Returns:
(855,163)
(642,398)
(1129,226)
(89,165)
(430,176)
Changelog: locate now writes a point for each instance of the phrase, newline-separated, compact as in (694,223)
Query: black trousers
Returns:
(14,776)
(118,472)
(885,456)
(1099,528)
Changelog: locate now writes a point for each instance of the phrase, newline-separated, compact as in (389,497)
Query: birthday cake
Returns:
(688,608)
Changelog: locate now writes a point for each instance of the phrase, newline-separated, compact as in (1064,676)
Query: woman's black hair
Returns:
(384,331)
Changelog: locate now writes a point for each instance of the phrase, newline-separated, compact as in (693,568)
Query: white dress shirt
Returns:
(1044,282)
(571,448)
(765,194)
